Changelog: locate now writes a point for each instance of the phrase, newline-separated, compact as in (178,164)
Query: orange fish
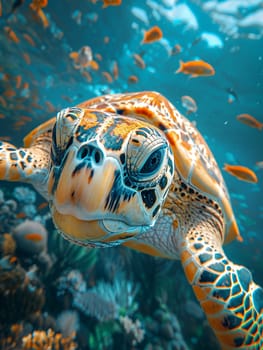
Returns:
(26,57)
(26,118)
(107,76)
(94,65)
(82,58)
(241,172)
(133,79)
(37,4)
(2,116)
(107,3)
(138,60)
(87,75)
(3,102)
(196,68)
(17,125)
(250,121)
(42,17)
(25,85)
(152,35)
(42,205)
(21,215)
(34,237)
(18,79)
(11,34)
(50,107)
(29,39)
(115,70)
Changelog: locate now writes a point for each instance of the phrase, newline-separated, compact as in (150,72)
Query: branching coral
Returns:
(41,340)
(7,213)
(21,294)
(7,245)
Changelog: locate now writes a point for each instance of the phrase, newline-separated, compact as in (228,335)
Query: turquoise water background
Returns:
(235,50)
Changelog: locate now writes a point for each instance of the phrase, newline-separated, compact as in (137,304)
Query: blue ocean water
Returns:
(227,34)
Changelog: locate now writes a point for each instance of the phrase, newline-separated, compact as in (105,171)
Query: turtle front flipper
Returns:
(233,303)
(25,164)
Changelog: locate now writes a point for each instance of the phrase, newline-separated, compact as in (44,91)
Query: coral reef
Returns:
(133,330)
(163,331)
(21,293)
(68,323)
(7,245)
(31,237)
(7,213)
(41,340)
(99,300)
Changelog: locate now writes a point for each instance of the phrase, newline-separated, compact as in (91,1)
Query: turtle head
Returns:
(109,176)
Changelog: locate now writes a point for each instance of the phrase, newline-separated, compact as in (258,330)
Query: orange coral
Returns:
(49,340)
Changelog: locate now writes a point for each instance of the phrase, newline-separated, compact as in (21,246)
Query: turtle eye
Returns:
(153,162)
(146,155)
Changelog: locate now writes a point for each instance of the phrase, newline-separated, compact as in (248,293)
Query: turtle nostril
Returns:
(90,152)
(97,156)
(83,152)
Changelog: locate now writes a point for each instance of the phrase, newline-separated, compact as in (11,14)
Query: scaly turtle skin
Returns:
(130,169)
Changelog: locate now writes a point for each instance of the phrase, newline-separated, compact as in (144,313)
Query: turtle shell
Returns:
(193,159)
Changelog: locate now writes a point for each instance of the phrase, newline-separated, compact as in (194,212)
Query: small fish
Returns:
(106,39)
(34,237)
(107,3)
(107,76)
(38,4)
(153,34)
(29,39)
(115,70)
(138,60)
(82,58)
(98,56)
(67,98)
(11,34)
(21,215)
(241,172)
(196,68)
(189,104)
(232,95)
(25,118)
(94,65)
(250,121)
(18,80)
(3,102)
(42,205)
(133,79)
(87,75)
(260,164)
(26,57)
(176,49)
(50,107)
(17,125)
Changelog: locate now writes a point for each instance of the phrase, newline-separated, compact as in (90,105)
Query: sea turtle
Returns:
(130,169)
